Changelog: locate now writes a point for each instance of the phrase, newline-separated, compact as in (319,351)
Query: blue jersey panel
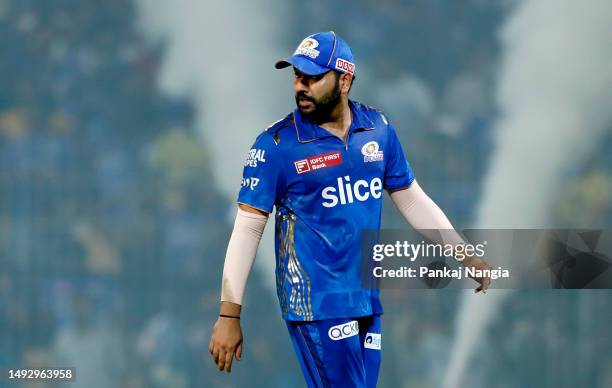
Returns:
(326,191)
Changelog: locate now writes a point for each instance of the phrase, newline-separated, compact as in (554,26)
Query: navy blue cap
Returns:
(320,53)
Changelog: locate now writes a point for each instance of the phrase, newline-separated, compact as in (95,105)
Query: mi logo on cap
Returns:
(307,48)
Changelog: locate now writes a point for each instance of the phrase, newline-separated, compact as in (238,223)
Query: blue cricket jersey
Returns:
(326,191)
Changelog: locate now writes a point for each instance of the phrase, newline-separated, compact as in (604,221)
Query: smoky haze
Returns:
(554,94)
(220,54)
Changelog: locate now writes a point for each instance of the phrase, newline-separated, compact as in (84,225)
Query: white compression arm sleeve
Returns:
(424,215)
(240,255)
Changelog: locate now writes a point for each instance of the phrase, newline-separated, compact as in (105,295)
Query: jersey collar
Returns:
(308,131)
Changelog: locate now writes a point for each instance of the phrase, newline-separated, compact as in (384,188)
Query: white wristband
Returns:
(240,255)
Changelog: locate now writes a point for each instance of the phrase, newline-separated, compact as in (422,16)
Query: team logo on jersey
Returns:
(251,183)
(255,155)
(371,152)
(317,162)
(308,48)
(372,341)
(344,65)
(343,330)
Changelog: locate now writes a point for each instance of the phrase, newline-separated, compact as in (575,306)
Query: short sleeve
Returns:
(398,173)
(262,178)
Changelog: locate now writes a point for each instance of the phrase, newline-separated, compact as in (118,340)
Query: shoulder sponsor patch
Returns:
(251,183)
(372,341)
(255,156)
(318,161)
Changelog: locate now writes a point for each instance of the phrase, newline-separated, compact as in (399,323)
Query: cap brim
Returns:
(303,64)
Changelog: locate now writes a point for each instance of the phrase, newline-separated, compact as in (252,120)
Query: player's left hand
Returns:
(479,264)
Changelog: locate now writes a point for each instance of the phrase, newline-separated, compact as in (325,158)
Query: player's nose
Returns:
(300,85)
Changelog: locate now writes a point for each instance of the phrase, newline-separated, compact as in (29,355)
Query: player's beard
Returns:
(323,106)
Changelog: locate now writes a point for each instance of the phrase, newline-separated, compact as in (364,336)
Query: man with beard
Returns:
(324,167)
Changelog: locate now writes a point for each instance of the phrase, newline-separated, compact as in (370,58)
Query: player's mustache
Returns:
(304,96)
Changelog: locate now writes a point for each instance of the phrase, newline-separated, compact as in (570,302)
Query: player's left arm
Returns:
(428,219)
(416,206)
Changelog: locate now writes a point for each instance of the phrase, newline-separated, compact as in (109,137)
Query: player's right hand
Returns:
(225,342)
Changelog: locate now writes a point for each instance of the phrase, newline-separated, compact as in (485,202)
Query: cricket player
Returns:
(324,168)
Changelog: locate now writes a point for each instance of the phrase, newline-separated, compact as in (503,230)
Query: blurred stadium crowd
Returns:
(112,234)
(108,217)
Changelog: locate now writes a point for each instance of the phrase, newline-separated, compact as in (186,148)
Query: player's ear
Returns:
(345,82)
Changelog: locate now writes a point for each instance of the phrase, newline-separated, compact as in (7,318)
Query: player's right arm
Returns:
(261,184)
(226,339)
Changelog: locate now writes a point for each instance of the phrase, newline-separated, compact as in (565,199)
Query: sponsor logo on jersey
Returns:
(254,156)
(372,341)
(318,161)
(344,330)
(371,152)
(342,64)
(302,166)
(346,192)
(251,183)
(307,48)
